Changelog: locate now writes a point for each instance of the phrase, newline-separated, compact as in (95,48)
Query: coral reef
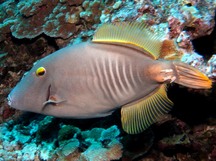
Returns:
(30,30)
(198,62)
(57,19)
(199,141)
(40,138)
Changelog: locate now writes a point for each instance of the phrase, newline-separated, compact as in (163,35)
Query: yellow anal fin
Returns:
(131,33)
(138,116)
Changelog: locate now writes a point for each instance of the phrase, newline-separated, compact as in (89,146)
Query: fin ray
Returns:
(138,116)
(191,77)
(132,33)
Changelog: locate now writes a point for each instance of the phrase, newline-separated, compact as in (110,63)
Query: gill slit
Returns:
(47,97)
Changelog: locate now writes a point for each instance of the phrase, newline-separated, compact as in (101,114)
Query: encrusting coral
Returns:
(29,19)
(42,139)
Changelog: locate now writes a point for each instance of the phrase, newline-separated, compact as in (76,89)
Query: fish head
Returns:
(33,89)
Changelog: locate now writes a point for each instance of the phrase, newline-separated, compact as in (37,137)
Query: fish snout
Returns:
(12,100)
(9,100)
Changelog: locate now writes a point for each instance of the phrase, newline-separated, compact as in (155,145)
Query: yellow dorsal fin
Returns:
(131,33)
(139,115)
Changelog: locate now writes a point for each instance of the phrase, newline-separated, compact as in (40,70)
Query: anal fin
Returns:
(139,115)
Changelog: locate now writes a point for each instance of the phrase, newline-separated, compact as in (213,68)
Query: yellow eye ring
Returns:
(40,71)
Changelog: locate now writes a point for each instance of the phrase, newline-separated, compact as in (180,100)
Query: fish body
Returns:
(90,79)
(93,79)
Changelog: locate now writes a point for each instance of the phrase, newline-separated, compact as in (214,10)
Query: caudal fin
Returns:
(188,76)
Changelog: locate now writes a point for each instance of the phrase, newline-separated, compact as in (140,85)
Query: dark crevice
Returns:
(50,41)
(206,45)
(192,107)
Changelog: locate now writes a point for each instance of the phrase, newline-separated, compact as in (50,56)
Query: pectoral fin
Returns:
(139,115)
(53,99)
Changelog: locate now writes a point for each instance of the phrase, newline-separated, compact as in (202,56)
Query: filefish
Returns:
(120,68)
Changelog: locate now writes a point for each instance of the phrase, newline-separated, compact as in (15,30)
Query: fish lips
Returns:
(9,100)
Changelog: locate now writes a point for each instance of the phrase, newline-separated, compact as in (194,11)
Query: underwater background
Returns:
(33,29)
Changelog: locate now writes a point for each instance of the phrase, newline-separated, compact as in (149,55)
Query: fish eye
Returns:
(40,71)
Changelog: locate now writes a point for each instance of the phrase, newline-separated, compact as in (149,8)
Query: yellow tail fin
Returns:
(188,76)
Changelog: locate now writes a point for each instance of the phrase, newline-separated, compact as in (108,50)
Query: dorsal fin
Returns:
(139,115)
(131,33)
